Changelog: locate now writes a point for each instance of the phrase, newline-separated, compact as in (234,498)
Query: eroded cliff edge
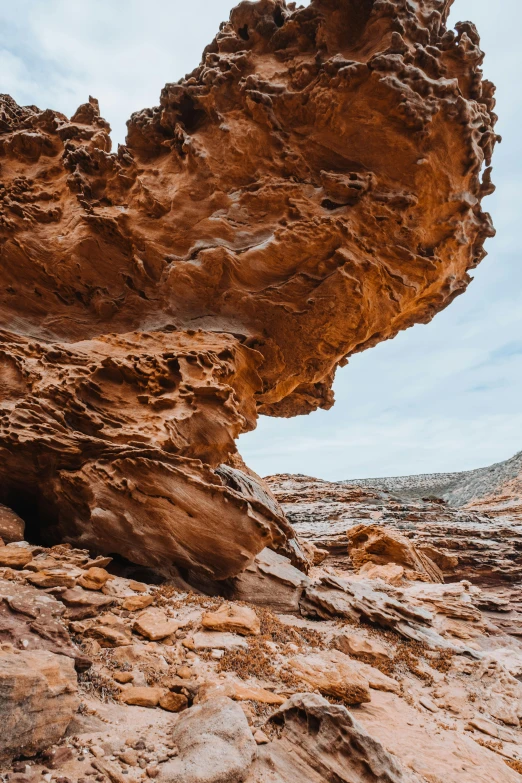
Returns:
(312,188)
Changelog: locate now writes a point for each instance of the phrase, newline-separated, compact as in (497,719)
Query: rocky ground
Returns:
(371,667)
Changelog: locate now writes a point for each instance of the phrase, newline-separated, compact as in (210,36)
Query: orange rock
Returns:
(234,618)
(310,190)
(173,702)
(123,677)
(56,577)
(154,624)
(360,646)
(15,556)
(142,696)
(373,544)
(135,602)
(94,578)
(333,674)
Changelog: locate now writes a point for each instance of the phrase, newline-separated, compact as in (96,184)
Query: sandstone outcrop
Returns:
(373,544)
(318,741)
(311,189)
(469,541)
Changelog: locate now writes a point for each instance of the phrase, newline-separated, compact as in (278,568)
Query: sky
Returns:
(441,397)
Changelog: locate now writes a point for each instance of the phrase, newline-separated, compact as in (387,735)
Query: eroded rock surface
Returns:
(311,189)
(38,699)
(480,541)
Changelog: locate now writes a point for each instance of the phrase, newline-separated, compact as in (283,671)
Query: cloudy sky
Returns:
(446,396)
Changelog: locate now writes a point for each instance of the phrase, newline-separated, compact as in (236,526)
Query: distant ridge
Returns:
(457,489)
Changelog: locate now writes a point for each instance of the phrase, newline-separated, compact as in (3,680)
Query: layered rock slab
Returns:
(311,189)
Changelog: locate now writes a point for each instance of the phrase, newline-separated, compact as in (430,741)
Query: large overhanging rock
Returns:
(311,189)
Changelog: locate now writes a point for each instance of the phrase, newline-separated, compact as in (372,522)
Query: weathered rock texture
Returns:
(311,189)
(480,541)
(38,698)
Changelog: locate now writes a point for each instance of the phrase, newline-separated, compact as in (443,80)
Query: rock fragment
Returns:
(233,618)
(154,624)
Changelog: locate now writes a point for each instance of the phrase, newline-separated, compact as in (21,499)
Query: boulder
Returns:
(316,741)
(271,581)
(38,699)
(333,674)
(94,578)
(12,527)
(215,745)
(381,546)
(109,633)
(83,603)
(14,556)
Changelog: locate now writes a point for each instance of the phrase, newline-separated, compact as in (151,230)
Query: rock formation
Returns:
(311,189)
(478,538)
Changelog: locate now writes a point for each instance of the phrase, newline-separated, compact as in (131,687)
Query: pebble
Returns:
(260,737)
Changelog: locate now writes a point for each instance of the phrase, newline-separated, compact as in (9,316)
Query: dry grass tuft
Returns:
(514,764)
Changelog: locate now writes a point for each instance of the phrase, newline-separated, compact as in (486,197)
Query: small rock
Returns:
(116,635)
(211,640)
(260,737)
(129,757)
(123,677)
(233,618)
(55,757)
(98,562)
(185,672)
(358,646)
(58,577)
(15,556)
(154,625)
(173,702)
(93,579)
(135,602)
(141,696)
(138,587)
(152,772)
(97,751)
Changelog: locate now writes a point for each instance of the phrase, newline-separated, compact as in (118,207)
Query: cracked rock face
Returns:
(311,189)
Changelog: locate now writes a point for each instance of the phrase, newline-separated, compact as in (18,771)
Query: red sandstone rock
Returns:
(311,189)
